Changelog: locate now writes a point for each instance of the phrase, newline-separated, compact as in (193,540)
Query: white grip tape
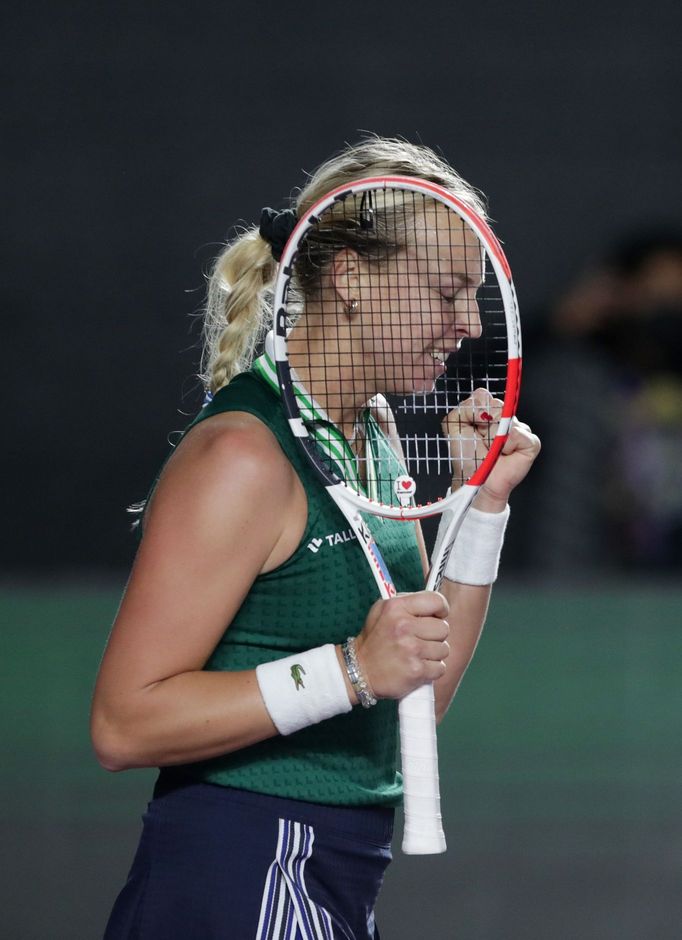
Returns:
(475,558)
(423,830)
(303,689)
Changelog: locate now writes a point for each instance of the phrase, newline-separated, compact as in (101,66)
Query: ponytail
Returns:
(237,313)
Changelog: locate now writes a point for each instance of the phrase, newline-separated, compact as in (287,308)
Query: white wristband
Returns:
(304,689)
(475,557)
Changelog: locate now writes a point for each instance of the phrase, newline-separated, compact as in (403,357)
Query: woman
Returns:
(227,667)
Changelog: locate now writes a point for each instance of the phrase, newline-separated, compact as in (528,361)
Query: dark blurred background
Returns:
(136,136)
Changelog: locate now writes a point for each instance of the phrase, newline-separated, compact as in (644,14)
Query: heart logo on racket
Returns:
(404,488)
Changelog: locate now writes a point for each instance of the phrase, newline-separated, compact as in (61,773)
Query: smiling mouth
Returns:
(438,355)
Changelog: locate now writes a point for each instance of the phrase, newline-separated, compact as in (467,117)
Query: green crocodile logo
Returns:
(296,671)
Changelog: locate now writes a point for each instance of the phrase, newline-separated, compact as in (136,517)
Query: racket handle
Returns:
(423,830)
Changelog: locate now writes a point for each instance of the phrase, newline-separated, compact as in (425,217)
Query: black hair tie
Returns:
(276,227)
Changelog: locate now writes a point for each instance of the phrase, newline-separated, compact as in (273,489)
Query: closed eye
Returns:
(448,296)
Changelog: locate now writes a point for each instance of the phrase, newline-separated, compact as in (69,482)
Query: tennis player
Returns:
(228,666)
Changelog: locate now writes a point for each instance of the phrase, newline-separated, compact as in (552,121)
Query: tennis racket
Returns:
(393,293)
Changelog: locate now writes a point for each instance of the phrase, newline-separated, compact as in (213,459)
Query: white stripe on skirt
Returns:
(287,912)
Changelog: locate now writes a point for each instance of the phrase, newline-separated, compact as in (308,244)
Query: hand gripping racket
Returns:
(392,289)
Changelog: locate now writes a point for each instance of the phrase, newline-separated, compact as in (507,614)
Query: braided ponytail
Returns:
(237,311)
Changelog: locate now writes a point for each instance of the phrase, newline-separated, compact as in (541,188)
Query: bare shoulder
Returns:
(235,437)
(233,456)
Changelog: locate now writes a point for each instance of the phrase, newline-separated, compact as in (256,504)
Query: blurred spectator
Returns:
(604,389)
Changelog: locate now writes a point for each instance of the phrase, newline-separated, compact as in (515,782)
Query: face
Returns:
(418,307)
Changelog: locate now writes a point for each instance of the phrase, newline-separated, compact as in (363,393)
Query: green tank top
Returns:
(321,594)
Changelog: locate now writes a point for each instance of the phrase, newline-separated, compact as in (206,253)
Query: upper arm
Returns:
(218,513)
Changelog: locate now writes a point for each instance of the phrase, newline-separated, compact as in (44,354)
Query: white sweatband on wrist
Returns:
(304,689)
(475,556)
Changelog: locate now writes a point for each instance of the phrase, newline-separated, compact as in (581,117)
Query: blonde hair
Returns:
(238,309)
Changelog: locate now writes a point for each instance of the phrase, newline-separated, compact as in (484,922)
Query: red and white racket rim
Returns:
(503,274)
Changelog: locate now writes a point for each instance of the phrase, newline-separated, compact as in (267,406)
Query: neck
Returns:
(331,371)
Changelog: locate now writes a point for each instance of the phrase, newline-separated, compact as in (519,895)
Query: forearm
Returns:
(469,602)
(468,608)
(188,717)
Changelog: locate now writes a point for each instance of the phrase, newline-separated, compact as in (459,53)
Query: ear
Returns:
(345,272)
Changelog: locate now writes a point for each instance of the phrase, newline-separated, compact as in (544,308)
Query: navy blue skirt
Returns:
(215,863)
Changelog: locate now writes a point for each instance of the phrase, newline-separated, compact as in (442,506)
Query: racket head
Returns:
(409,305)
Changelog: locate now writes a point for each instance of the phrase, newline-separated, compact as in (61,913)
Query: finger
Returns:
(432,629)
(434,670)
(485,408)
(516,422)
(426,665)
(434,651)
(463,448)
(481,408)
(521,440)
(424,604)
(481,397)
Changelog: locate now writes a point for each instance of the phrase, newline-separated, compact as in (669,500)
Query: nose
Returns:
(468,317)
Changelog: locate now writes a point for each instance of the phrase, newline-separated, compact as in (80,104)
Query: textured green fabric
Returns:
(321,594)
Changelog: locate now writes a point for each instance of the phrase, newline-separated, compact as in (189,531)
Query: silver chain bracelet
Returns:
(365,695)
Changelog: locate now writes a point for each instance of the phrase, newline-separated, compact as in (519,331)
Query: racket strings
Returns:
(387,276)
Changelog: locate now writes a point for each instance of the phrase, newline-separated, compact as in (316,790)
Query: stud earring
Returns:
(353,306)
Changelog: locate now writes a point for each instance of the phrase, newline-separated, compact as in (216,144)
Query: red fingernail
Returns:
(485,416)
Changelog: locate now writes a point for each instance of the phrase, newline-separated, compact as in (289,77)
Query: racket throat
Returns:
(366,541)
